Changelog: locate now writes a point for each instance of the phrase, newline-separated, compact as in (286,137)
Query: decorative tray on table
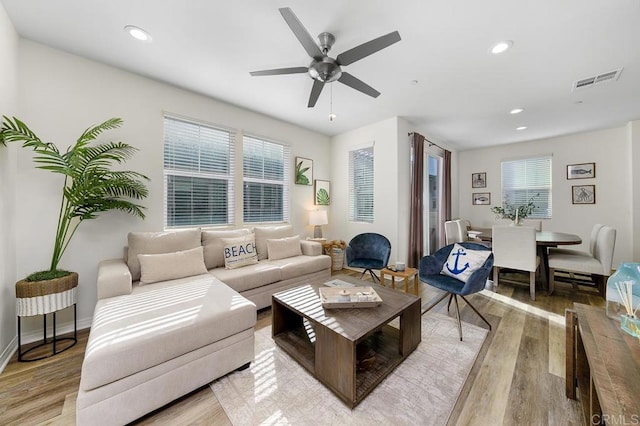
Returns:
(353,297)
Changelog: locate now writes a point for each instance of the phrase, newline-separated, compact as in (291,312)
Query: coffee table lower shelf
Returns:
(333,359)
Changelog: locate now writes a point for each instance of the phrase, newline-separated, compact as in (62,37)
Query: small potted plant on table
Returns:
(515,213)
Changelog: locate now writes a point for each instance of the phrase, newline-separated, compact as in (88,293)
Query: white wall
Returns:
(392,172)
(633,140)
(609,149)
(8,96)
(60,95)
(384,138)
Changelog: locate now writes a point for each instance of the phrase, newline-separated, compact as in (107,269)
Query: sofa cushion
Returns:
(159,322)
(248,277)
(239,251)
(263,233)
(156,243)
(214,247)
(281,248)
(170,266)
(294,267)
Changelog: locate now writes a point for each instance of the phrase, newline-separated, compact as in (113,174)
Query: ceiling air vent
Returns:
(596,80)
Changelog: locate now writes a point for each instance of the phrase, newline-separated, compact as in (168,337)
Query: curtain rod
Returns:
(428,141)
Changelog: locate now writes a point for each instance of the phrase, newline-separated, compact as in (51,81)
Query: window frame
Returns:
(169,172)
(358,196)
(285,183)
(533,185)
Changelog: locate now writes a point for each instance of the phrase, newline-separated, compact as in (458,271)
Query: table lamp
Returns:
(318,218)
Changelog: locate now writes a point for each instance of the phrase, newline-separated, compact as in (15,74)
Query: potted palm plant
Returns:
(90,187)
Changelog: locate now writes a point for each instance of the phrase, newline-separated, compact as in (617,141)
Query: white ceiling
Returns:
(464,94)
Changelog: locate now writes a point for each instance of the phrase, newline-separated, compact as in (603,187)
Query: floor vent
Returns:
(596,80)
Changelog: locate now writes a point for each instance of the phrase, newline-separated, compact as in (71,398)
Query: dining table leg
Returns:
(543,253)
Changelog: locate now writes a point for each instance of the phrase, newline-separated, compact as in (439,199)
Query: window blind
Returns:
(525,179)
(361,185)
(198,174)
(266,179)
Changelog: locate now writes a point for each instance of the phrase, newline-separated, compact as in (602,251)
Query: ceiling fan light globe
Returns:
(325,71)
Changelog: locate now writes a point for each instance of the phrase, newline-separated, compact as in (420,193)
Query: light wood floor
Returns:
(518,378)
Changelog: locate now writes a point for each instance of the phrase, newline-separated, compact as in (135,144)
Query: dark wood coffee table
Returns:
(327,342)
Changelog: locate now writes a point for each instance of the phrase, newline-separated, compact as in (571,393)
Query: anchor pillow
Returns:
(463,262)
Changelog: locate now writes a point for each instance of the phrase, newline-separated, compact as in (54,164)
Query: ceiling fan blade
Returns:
(301,33)
(296,70)
(315,93)
(357,84)
(368,48)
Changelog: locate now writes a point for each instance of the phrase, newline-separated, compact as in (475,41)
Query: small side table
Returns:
(406,274)
(42,298)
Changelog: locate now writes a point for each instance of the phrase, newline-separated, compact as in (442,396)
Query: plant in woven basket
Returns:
(90,187)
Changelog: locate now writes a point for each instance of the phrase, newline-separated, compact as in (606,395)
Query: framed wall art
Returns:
(581,171)
(479,180)
(583,194)
(322,193)
(481,198)
(304,171)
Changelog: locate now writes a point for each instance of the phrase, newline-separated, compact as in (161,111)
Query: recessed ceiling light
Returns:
(516,111)
(414,82)
(137,33)
(501,46)
(521,128)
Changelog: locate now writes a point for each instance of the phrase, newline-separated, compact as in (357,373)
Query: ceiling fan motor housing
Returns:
(325,70)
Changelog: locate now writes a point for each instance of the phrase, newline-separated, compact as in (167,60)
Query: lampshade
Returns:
(318,217)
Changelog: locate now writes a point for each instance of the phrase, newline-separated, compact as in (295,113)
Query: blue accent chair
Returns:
(429,273)
(368,251)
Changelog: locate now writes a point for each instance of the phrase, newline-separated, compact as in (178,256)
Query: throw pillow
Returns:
(239,251)
(462,262)
(281,248)
(171,266)
(157,243)
(265,232)
(214,247)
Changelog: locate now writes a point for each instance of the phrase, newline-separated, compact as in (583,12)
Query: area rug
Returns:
(422,390)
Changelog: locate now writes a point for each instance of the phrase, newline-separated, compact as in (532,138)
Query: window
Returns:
(266,178)
(198,174)
(527,178)
(361,185)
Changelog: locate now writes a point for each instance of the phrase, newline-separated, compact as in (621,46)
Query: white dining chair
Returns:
(453,232)
(598,265)
(534,223)
(592,244)
(514,247)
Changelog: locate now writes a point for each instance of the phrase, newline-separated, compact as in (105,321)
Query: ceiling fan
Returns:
(324,69)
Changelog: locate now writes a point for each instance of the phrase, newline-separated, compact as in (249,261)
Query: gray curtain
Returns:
(416,231)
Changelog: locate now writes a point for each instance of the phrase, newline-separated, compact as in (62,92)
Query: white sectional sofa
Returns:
(171,318)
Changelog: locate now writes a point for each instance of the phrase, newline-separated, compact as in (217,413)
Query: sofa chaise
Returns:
(179,311)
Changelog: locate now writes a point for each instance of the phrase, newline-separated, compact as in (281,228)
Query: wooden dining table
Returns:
(544,240)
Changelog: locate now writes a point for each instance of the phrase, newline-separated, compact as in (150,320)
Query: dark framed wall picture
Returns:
(581,171)
(481,198)
(322,191)
(583,194)
(304,171)
(479,180)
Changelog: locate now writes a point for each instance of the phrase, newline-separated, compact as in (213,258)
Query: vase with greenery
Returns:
(91,186)
(514,213)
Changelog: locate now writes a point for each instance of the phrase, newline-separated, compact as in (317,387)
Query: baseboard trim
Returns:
(8,352)
(35,336)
